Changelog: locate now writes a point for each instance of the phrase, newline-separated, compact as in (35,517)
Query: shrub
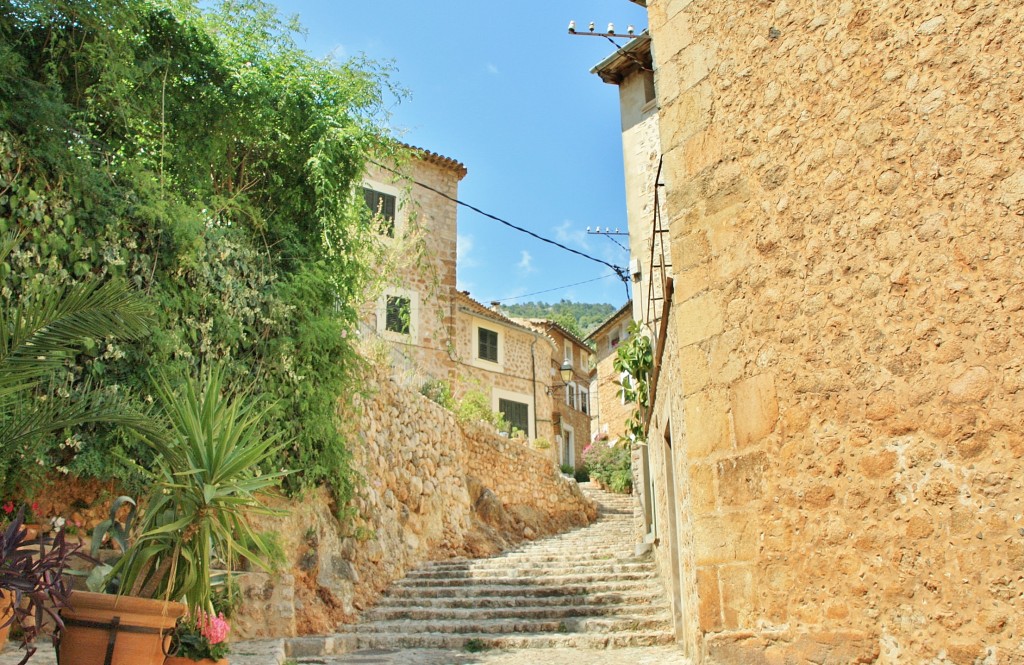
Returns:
(612,467)
(541,443)
(475,406)
(581,475)
(567,469)
(438,390)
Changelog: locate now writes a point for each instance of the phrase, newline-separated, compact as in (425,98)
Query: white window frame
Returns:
(385,188)
(476,360)
(414,315)
(474,354)
(568,443)
(625,378)
(524,398)
(584,399)
(571,393)
(567,351)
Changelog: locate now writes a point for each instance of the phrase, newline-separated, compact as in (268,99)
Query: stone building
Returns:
(570,402)
(412,309)
(508,361)
(610,411)
(835,443)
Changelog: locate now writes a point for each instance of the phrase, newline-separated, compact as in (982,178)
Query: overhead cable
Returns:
(619,271)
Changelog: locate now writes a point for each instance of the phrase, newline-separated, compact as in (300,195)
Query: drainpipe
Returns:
(533,373)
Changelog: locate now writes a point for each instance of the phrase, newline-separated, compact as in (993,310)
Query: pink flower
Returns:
(213,628)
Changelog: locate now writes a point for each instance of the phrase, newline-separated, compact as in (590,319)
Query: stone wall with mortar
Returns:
(431,488)
(418,263)
(845,190)
(521,373)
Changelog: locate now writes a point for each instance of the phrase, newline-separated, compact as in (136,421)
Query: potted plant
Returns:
(200,638)
(32,582)
(205,478)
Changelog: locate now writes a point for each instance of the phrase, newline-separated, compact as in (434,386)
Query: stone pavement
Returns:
(271,652)
(626,656)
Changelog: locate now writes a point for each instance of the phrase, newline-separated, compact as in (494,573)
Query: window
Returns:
(487,345)
(585,401)
(516,413)
(570,394)
(568,352)
(613,339)
(382,207)
(649,92)
(626,381)
(398,315)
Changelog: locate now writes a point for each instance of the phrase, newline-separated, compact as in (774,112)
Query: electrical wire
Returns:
(619,271)
(557,288)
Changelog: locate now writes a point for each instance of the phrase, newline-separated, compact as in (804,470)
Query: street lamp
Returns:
(564,373)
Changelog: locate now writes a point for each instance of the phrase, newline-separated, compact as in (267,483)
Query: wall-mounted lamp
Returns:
(564,373)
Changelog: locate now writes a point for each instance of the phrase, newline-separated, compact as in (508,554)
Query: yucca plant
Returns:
(206,477)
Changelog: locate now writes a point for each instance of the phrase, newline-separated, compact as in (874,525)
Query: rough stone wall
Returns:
(846,198)
(432,489)
(528,484)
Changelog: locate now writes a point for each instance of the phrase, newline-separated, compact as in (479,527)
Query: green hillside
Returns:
(578,317)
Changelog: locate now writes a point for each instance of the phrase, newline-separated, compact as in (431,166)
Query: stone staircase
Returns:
(581,589)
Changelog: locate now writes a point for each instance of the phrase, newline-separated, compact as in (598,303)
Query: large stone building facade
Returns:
(610,411)
(836,443)
(507,361)
(412,307)
(571,402)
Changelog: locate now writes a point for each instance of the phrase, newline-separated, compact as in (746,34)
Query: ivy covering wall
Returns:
(204,157)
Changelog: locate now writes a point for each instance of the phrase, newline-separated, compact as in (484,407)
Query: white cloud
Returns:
(463,249)
(492,68)
(525,262)
(568,235)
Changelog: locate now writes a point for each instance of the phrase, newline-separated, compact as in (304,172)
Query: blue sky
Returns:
(502,87)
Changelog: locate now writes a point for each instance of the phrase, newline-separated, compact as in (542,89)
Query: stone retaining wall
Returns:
(431,489)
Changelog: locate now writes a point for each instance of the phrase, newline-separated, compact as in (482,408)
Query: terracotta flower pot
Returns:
(5,614)
(136,631)
(178,660)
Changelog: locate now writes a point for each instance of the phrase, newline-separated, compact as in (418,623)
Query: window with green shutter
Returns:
(382,206)
(487,345)
(516,413)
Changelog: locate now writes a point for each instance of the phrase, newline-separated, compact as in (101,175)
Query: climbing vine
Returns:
(199,153)
(634,360)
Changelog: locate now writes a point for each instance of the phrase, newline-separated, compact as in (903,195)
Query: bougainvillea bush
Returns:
(610,466)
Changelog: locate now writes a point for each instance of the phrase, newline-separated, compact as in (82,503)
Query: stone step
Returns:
(650,598)
(515,612)
(521,558)
(586,624)
(531,569)
(574,579)
(515,641)
(651,586)
(571,552)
